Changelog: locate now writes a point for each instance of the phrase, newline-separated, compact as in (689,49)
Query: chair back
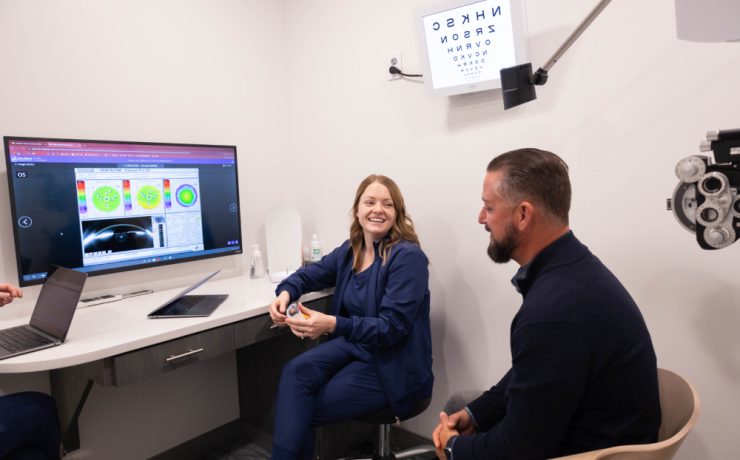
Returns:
(679,407)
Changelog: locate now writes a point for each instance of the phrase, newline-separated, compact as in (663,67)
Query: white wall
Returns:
(169,71)
(622,107)
(301,88)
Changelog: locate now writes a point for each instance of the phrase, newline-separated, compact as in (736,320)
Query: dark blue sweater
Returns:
(583,374)
(395,327)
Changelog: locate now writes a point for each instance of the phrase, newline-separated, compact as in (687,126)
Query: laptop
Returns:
(189,306)
(51,316)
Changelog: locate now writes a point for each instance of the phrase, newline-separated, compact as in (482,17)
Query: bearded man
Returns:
(584,373)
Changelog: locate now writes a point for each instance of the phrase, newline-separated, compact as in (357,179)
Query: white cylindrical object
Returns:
(315,248)
(256,266)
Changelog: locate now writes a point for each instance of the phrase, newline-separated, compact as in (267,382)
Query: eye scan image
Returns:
(148,197)
(106,198)
(117,235)
(186,195)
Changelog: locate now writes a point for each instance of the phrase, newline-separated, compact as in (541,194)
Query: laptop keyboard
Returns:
(21,338)
(183,305)
(190,304)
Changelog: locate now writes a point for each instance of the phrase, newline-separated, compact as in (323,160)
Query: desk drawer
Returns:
(147,362)
(255,330)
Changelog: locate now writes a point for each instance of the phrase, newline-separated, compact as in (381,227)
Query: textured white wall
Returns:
(301,88)
(622,107)
(169,71)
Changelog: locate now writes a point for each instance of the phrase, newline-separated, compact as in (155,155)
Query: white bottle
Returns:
(256,267)
(315,248)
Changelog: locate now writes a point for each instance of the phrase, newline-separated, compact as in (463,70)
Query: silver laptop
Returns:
(189,306)
(51,316)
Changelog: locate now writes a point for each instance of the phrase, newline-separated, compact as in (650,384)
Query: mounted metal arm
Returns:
(518,82)
(540,77)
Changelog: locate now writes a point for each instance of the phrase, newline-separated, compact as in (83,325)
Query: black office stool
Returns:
(384,419)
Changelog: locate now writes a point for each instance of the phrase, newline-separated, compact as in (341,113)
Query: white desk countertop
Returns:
(109,329)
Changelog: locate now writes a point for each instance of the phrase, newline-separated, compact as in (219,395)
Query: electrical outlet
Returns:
(394,59)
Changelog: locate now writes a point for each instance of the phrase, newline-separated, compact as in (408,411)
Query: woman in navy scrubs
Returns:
(379,351)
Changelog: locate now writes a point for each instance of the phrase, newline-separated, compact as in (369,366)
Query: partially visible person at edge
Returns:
(29,424)
(379,352)
(584,373)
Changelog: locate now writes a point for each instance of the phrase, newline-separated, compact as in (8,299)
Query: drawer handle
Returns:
(184,355)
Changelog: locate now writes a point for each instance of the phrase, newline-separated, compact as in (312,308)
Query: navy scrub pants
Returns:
(29,427)
(335,381)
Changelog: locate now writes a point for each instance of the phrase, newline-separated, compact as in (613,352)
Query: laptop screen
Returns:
(57,302)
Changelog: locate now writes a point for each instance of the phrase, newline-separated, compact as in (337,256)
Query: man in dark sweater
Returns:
(584,372)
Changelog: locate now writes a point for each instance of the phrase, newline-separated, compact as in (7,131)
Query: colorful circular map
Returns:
(106,198)
(148,197)
(186,195)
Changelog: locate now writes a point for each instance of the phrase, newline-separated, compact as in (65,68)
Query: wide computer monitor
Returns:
(109,206)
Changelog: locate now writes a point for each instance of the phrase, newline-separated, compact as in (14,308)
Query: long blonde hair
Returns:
(402,229)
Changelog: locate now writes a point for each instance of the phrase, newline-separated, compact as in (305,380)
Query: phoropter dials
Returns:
(706,201)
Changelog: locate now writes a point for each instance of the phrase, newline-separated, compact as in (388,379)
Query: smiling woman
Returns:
(375,211)
(379,327)
(379,210)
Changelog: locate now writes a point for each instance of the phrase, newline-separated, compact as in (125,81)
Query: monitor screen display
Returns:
(107,206)
(467,43)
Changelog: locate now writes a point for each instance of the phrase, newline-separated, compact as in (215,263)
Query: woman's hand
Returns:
(277,309)
(311,323)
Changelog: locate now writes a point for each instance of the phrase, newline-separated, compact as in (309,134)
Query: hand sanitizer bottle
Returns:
(315,248)
(256,267)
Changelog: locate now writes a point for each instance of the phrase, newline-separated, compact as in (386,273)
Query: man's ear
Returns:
(523,215)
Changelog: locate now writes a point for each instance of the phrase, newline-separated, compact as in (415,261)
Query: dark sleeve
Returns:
(315,277)
(547,381)
(405,291)
(490,407)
